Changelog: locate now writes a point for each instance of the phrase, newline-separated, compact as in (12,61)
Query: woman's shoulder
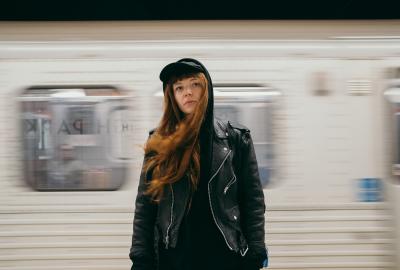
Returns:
(236,133)
(238,126)
(241,132)
(225,125)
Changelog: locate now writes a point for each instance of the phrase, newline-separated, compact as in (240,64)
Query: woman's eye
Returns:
(196,84)
(179,88)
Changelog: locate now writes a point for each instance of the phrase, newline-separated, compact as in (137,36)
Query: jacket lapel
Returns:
(220,147)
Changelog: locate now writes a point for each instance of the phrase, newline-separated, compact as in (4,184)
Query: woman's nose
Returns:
(188,91)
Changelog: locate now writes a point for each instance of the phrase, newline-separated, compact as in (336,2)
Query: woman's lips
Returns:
(190,102)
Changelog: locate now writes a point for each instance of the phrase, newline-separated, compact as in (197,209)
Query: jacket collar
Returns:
(220,129)
(220,147)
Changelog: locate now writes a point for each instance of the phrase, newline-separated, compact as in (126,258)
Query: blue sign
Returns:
(370,190)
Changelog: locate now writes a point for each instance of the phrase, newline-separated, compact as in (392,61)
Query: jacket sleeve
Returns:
(252,205)
(142,252)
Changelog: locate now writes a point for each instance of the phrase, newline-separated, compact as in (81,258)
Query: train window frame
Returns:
(392,95)
(56,159)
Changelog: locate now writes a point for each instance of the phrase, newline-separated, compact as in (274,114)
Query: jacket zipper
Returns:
(209,199)
(230,184)
(169,226)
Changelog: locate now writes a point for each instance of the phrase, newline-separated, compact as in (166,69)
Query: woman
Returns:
(200,204)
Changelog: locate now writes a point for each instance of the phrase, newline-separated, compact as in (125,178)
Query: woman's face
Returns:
(187,93)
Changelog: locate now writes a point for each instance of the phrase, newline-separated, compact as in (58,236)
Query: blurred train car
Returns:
(321,100)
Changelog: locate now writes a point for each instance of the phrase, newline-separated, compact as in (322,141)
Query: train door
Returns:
(392,95)
(252,105)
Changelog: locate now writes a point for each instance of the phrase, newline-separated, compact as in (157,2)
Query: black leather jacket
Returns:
(235,195)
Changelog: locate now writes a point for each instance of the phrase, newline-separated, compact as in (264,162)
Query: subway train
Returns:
(321,99)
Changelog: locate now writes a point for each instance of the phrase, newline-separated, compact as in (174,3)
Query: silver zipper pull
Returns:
(229,184)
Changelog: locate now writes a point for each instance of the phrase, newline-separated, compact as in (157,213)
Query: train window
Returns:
(75,138)
(251,105)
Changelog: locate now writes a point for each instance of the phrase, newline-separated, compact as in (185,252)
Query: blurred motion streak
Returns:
(321,99)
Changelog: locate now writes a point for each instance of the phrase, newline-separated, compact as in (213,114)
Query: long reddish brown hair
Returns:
(173,150)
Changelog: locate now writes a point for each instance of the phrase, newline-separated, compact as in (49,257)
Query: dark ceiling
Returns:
(196,10)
